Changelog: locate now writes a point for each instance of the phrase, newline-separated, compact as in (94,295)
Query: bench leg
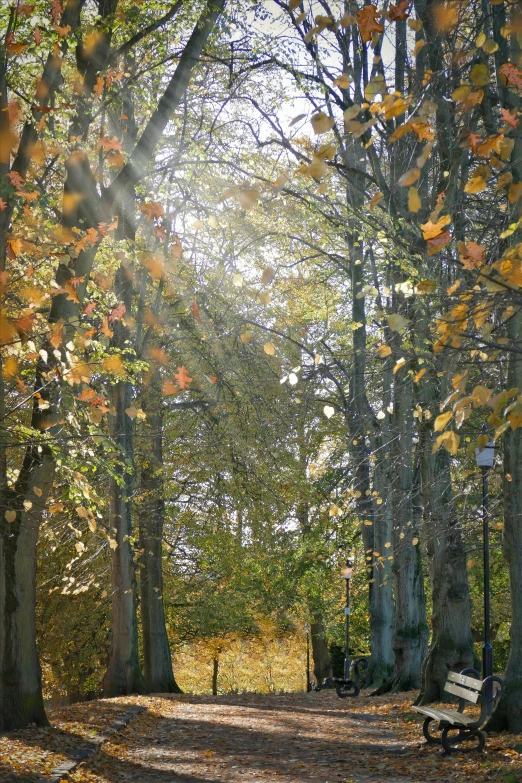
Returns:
(346,688)
(450,743)
(430,738)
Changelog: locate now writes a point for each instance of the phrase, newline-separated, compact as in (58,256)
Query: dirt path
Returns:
(250,738)
(294,738)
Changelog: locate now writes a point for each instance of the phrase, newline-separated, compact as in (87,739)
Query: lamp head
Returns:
(347,570)
(486,455)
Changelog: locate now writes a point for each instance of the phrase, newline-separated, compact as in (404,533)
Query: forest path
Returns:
(274,739)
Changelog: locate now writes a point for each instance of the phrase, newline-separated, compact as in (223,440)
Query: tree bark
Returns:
(157,659)
(411,630)
(451,647)
(123,673)
(508,713)
(320,654)
(215,670)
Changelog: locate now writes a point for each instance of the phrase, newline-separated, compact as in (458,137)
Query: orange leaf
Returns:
(471,254)
(182,377)
(437,243)
(431,230)
(152,210)
(512,75)
(195,311)
(399,11)
(509,118)
(110,145)
(367,22)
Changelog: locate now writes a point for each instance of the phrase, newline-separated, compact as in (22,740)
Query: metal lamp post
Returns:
(485,459)
(347,576)
(349,686)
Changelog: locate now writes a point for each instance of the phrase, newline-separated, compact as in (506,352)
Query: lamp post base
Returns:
(349,686)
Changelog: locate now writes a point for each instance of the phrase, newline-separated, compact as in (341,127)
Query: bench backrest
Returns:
(467,688)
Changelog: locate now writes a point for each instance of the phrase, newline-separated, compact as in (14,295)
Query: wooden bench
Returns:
(468,689)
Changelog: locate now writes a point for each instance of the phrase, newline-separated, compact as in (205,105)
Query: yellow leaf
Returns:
(113,365)
(480,396)
(461,93)
(246,336)
(409,177)
(480,75)
(490,46)
(131,412)
(352,112)
(113,544)
(268,275)
(249,196)
(343,81)
(475,185)
(400,363)
(92,525)
(375,200)
(514,192)
(415,541)
(397,323)
(334,510)
(10,515)
(450,441)
(269,348)
(414,202)
(383,350)
(420,375)
(37,491)
(442,420)
(431,230)
(321,123)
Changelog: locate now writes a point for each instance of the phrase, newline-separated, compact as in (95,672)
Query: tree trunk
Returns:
(411,630)
(508,713)
(157,659)
(123,674)
(375,526)
(215,669)
(21,700)
(320,654)
(451,643)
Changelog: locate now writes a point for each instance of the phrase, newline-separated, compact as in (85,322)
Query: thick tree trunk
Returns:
(123,673)
(411,630)
(375,527)
(157,659)
(451,645)
(508,713)
(21,700)
(215,671)
(320,654)
(382,609)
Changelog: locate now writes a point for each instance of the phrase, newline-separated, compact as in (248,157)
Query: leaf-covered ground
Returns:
(200,739)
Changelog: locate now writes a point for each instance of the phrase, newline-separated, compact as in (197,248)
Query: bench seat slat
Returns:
(462,679)
(452,716)
(462,693)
